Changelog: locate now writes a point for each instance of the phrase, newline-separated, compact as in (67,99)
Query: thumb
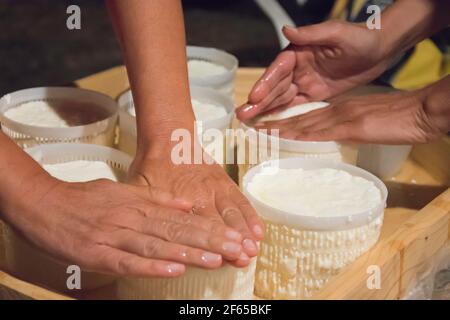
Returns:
(317,34)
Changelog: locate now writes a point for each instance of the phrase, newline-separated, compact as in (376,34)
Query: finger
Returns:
(115,261)
(284,99)
(254,222)
(191,236)
(151,247)
(249,111)
(316,34)
(234,218)
(280,68)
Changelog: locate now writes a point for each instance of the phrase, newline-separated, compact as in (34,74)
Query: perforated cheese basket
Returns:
(100,132)
(32,264)
(225,283)
(127,122)
(221,82)
(300,252)
(260,144)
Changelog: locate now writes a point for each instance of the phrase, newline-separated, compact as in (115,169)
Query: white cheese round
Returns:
(55,113)
(203,111)
(318,192)
(294,111)
(81,171)
(201,68)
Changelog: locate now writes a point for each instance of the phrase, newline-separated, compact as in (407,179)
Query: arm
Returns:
(93,225)
(418,116)
(153,43)
(407,22)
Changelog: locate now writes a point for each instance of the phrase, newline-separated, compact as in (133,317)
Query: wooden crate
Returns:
(417,220)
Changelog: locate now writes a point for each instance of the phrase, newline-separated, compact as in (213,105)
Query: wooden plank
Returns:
(16,289)
(399,257)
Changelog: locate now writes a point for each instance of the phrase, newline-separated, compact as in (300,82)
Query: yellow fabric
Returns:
(422,68)
(357,6)
(339,10)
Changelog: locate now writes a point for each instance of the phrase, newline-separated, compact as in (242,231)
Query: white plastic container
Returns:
(222,82)
(262,144)
(100,132)
(225,283)
(127,122)
(26,261)
(383,160)
(300,252)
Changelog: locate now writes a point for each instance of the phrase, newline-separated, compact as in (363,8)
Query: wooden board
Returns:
(414,229)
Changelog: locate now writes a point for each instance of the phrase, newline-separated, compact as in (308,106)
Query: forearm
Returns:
(21,178)
(152,37)
(407,22)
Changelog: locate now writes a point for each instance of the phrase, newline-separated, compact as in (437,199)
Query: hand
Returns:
(322,61)
(397,118)
(213,194)
(109,227)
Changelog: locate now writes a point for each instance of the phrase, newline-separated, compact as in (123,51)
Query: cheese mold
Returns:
(303,248)
(61,115)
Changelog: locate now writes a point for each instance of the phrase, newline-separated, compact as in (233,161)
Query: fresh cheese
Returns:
(81,171)
(203,111)
(294,111)
(295,262)
(55,113)
(226,283)
(342,152)
(318,192)
(202,68)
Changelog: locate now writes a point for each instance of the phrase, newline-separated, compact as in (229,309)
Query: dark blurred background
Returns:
(37,49)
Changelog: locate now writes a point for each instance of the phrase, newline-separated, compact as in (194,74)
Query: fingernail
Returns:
(250,245)
(258,231)
(231,247)
(289,27)
(175,268)
(244,257)
(248,108)
(208,257)
(233,235)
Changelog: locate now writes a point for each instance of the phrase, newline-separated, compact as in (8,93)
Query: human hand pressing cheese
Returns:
(418,116)
(329,58)
(159,81)
(108,227)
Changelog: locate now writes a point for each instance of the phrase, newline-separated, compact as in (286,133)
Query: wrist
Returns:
(26,194)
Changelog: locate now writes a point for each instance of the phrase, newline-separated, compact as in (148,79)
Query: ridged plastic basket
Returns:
(222,82)
(31,263)
(101,132)
(300,252)
(127,122)
(226,283)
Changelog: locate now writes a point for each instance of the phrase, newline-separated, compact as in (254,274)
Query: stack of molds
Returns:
(261,146)
(71,163)
(58,115)
(320,216)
